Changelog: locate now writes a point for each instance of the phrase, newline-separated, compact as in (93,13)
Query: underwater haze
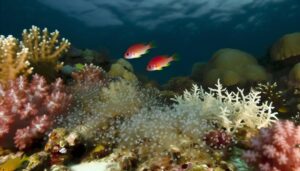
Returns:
(193,29)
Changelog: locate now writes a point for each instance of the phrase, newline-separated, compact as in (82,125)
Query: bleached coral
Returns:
(13,59)
(229,110)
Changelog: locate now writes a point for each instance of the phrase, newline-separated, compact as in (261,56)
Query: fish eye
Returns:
(127,53)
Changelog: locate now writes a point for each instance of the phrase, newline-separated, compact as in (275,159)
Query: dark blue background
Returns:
(170,37)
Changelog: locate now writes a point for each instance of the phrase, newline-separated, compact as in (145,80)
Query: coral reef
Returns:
(62,146)
(99,106)
(45,49)
(233,111)
(123,69)
(179,84)
(28,109)
(286,47)
(90,74)
(232,67)
(275,148)
(13,59)
(218,139)
(294,77)
(86,56)
(270,92)
(193,114)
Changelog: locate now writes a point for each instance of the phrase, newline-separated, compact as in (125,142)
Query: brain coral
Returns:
(287,46)
(232,67)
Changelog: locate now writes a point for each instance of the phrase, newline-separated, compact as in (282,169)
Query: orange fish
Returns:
(157,63)
(137,50)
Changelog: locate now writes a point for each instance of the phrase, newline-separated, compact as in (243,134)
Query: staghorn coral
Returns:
(276,148)
(13,59)
(45,49)
(227,110)
(28,109)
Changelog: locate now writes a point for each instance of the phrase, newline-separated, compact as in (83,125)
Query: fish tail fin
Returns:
(175,57)
(152,44)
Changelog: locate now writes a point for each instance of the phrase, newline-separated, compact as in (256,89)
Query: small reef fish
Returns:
(158,62)
(137,50)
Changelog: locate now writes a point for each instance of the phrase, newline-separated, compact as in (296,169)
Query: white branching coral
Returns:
(13,59)
(229,110)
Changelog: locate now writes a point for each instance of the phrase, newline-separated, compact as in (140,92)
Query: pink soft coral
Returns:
(28,109)
(276,148)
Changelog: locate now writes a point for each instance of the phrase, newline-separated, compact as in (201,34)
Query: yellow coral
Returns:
(123,69)
(45,49)
(286,47)
(13,59)
(232,67)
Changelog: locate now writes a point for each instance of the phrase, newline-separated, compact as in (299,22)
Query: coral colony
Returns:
(59,111)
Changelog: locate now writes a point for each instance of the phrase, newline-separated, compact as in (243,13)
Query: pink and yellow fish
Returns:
(137,50)
(159,62)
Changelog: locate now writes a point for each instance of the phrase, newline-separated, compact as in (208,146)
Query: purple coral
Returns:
(276,148)
(27,109)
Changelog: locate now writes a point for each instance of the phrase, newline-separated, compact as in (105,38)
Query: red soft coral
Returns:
(28,109)
(276,148)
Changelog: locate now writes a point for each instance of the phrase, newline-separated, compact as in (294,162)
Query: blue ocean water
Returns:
(194,29)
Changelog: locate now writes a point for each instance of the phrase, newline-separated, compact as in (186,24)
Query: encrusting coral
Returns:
(45,49)
(28,109)
(276,148)
(13,59)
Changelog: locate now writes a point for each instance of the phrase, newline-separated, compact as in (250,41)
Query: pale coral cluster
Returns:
(276,148)
(229,110)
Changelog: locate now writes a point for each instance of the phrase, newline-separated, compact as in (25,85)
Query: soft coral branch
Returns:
(276,148)
(28,108)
